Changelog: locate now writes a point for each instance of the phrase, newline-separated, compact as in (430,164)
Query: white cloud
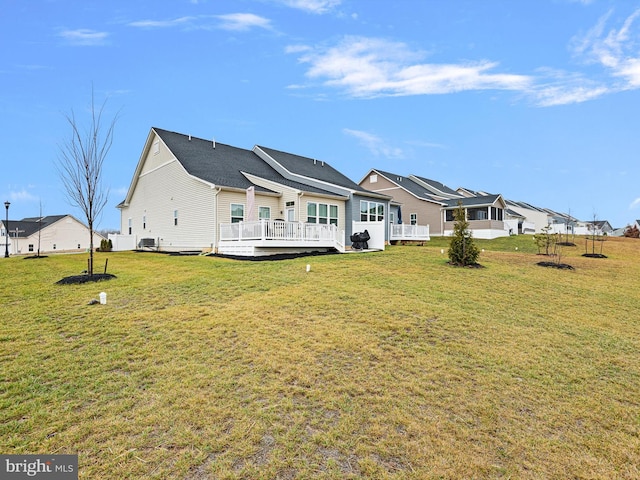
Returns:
(635,204)
(84,37)
(243,21)
(232,21)
(313,6)
(372,67)
(616,49)
(22,196)
(176,22)
(376,145)
(561,88)
(297,48)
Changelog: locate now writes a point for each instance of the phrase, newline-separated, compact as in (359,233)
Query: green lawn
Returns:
(379,365)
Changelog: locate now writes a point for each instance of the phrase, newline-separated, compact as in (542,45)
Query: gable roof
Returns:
(30,225)
(223,165)
(297,166)
(437,188)
(411,186)
(483,200)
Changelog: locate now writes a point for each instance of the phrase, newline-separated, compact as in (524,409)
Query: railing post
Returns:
(263,229)
(240,230)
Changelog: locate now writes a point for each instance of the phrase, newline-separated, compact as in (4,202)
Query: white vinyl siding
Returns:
(168,188)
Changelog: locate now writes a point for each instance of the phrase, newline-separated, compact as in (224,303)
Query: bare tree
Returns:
(80,163)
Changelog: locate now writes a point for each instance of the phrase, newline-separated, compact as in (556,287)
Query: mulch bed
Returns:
(78,279)
(559,266)
(31,257)
(279,256)
(594,255)
(471,265)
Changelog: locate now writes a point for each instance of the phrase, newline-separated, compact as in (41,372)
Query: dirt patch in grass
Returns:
(79,279)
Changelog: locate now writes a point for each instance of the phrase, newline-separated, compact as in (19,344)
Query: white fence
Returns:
(277,230)
(409,232)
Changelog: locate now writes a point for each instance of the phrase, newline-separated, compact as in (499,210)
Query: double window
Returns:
(371,211)
(322,213)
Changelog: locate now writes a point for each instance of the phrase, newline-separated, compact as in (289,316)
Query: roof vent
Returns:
(315,161)
(214,143)
(189,137)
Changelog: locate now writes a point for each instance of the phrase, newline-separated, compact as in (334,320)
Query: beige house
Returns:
(50,234)
(422,201)
(192,194)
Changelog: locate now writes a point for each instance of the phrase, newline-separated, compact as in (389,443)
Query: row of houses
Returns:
(193,194)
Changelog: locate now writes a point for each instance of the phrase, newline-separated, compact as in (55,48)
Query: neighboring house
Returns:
(597,227)
(50,234)
(428,202)
(188,193)
(413,205)
(531,219)
(485,214)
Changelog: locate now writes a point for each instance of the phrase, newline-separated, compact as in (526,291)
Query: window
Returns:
(312,212)
(290,204)
(31,247)
(264,213)
(322,213)
(175,218)
(477,213)
(449,215)
(371,211)
(237,212)
(413,218)
(496,213)
(333,214)
(130,223)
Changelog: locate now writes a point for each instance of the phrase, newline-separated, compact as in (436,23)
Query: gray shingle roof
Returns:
(437,186)
(411,186)
(472,201)
(311,168)
(28,226)
(224,165)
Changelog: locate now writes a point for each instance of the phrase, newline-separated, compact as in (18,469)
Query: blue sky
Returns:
(535,99)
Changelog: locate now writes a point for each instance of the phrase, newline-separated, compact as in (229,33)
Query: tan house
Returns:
(192,194)
(50,234)
(422,201)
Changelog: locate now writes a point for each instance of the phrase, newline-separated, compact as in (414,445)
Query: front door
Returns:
(291,215)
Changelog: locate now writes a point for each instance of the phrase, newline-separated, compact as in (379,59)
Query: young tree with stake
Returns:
(80,161)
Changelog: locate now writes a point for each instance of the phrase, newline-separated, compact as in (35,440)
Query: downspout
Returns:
(216,233)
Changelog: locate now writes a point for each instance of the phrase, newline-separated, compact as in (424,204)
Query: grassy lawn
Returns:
(380,365)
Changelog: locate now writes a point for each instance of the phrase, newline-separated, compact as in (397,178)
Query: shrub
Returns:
(462,250)
(632,232)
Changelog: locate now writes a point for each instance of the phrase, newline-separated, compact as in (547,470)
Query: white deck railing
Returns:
(279,230)
(409,232)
